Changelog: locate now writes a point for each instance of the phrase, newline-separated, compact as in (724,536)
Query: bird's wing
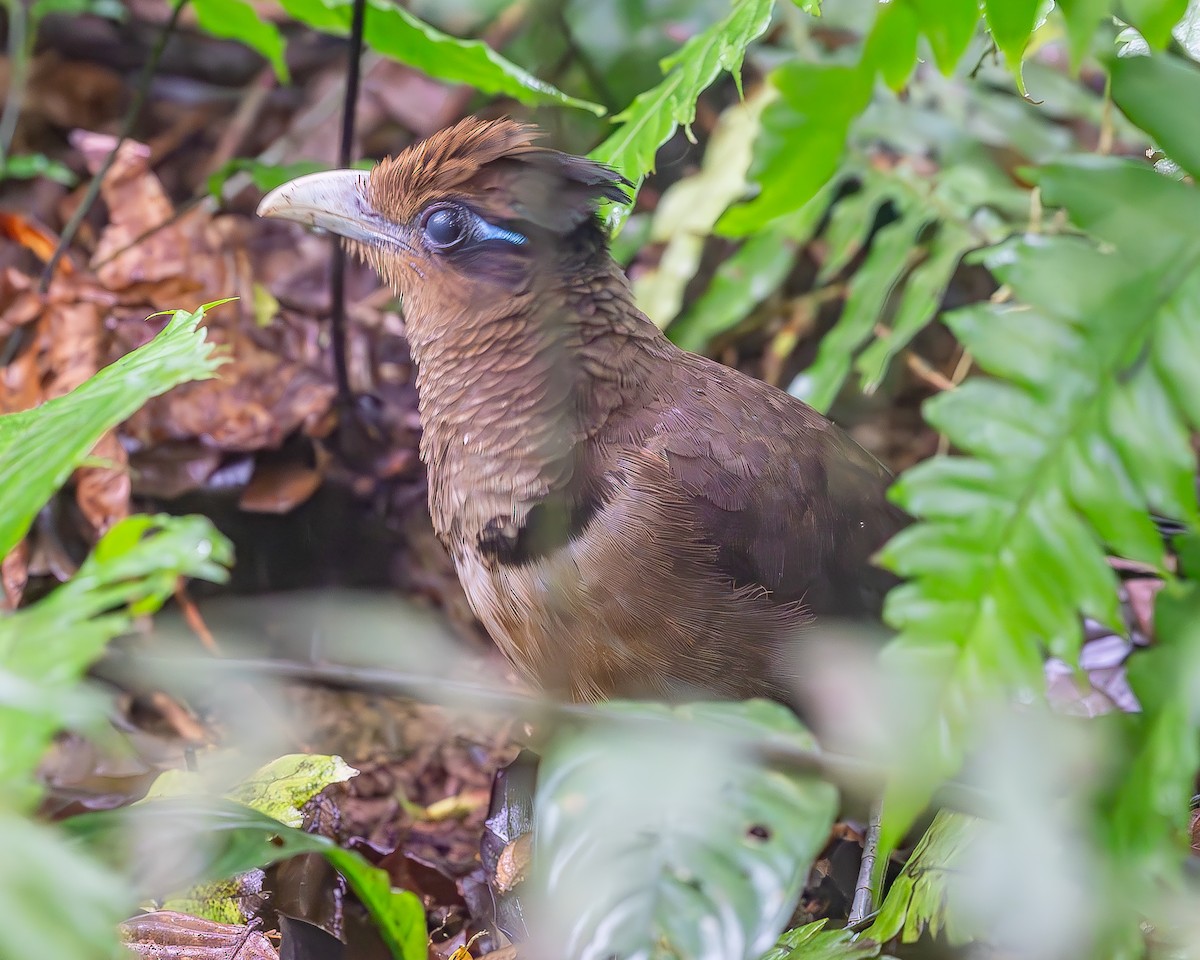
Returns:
(792,504)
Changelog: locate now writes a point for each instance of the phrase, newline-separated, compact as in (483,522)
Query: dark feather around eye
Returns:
(445,226)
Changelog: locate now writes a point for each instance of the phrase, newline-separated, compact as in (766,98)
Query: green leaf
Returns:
(238,20)
(393,31)
(27,166)
(813,942)
(1012,23)
(1154,18)
(172,844)
(1082,17)
(655,114)
(949,25)
(672,841)
(919,898)
(51,643)
(870,288)
(990,591)
(1157,93)
(58,902)
(40,448)
(802,139)
(919,302)
(280,789)
(892,44)
(740,283)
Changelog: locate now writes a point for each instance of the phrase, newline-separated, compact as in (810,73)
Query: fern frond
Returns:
(1081,430)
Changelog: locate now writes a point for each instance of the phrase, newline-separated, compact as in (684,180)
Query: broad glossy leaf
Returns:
(172,844)
(40,448)
(1154,18)
(1011,23)
(801,141)
(1017,342)
(949,25)
(891,46)
(58,901)
(393,31)
(672,841)
(1083,17)
(1157,92)
(648,122)
(238,20)
(1154,222)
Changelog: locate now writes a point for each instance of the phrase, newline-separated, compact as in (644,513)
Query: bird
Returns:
(627,519)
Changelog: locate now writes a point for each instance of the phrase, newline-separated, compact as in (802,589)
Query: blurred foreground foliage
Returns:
(886,145)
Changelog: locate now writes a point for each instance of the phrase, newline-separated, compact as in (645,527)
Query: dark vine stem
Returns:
(337,278)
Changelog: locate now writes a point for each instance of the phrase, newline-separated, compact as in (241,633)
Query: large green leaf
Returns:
(1006,554)
(393,31)
(802,137)
(58,902)
(1150,90)
(1011,23)
(1154,18)
(50,644)
(949,25)
(40,448)
(1083,17)
(671,842)
(648,122)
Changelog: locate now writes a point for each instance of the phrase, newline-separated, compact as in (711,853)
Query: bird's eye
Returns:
(445,226)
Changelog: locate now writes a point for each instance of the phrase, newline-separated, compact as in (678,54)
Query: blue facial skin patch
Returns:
(489,231)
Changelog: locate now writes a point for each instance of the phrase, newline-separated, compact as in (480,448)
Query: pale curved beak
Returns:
(335,200)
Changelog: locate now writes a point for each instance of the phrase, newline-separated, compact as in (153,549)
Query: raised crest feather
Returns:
(499,167)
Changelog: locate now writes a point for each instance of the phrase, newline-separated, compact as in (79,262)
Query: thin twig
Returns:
(337,279)
(927,372)
(18,60)
(864,900)
(141,92)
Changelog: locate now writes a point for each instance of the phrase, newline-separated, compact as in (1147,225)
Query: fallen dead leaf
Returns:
(168,935)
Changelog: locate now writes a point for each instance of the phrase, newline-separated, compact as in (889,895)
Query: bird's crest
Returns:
(496,167)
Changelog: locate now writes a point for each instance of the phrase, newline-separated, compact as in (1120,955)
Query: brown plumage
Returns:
(626,518)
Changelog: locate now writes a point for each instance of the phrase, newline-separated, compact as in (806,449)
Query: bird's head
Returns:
(460,221)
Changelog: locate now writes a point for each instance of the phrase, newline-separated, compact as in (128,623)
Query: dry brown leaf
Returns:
(14,573)
(40,241)
(167,935)
(279,487)
(103,493)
